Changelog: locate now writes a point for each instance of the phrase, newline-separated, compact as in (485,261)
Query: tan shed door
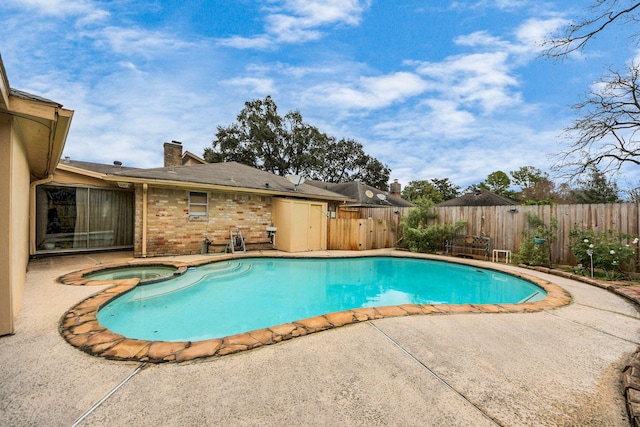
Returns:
(316,219)
(300,227)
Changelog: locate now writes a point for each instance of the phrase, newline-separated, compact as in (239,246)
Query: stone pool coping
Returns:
(80,327)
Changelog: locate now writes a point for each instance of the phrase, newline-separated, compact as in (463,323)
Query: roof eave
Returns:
(225,188)
(80,171)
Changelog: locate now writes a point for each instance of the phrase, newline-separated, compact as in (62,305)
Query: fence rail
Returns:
(374,228)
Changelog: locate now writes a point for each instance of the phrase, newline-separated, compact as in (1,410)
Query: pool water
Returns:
(232,297)
(133,272)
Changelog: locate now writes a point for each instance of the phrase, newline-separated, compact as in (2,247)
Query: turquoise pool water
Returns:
(133,272)
(230,297)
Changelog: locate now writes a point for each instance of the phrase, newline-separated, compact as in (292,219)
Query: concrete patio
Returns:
(555,367)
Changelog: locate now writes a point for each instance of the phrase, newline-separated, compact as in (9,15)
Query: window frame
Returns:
(194,204)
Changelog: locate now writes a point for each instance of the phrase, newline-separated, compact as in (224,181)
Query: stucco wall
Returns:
(171,231)
(14,227)
(20,181)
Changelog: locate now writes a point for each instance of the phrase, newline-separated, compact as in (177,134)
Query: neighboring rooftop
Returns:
(363,194)
(479,198)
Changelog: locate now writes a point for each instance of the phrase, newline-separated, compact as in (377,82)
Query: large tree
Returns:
(498,182)
(604,135)
(436,190)
(287,145)
(535,186)
(596,188)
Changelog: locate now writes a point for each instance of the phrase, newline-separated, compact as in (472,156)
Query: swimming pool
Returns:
(235,296)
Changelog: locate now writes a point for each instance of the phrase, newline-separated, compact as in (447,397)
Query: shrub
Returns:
(609,251)
(421,237)
(535,249)
(432,237)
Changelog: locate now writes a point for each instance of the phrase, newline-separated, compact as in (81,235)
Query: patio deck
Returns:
(555,367)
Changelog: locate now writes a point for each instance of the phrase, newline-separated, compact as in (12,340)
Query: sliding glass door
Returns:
(81,218)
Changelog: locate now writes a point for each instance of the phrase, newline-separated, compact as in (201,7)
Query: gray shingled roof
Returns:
(95,167)
(479,198)
(229,174)
(358,191)
(25,95)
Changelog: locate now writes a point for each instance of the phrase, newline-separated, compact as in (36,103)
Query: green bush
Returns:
(432,237)
(611,251)
(421,237)
(535,249)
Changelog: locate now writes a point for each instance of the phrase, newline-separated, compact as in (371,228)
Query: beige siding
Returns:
(14,203)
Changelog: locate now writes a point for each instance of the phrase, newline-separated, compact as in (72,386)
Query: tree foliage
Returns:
(535,186)
(436,190)
(283,145)
(596,188)
(497,182)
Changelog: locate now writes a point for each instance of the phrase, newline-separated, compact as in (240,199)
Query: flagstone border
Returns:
(80,327)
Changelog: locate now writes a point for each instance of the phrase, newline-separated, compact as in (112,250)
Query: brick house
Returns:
(175,209)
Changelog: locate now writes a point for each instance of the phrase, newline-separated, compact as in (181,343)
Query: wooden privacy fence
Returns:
(505,224)
(375,228)
(361,228)
(361,234)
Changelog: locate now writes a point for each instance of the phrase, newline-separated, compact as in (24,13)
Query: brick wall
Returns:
(170,230)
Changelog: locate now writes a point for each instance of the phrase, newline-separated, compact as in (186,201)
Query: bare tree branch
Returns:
(602,14)
(606,134)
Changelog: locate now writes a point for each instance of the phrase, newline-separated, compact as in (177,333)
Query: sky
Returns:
(433,89)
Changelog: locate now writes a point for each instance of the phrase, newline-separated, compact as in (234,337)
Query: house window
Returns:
(198,203)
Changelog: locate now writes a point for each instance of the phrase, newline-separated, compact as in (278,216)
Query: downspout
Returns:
(145,188)
(32,212)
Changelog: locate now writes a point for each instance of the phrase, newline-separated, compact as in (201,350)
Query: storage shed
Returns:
(301,224)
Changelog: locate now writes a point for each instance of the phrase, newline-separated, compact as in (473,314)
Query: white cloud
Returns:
(61,7)
(533,32)
(476,79)
(369,92)
(135,41)
(238,42)
(480,39)
(261,87)
(299,21)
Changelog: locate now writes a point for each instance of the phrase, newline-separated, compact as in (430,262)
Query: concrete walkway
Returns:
(552,368)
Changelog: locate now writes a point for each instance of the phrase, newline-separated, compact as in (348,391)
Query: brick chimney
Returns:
(395,188)
(172,154)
